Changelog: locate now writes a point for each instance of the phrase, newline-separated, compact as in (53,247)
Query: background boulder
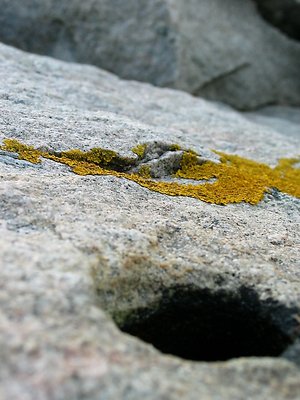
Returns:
(219,49)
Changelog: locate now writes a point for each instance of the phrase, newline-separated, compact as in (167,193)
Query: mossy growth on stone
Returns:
(236,179)
(139,150)
(25,152)
(145,171)
(102,157)
(175,147)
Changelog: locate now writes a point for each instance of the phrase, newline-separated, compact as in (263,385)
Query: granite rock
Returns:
(83,256)
(218,49)
(285,120)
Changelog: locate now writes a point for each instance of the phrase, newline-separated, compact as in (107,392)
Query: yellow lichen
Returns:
(95,156)
(145,171)
(25,152)
(139,150)
(237,179)
(175,147)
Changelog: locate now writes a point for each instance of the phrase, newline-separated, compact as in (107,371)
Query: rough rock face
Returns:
(202,281)
(219,49)
(284,14)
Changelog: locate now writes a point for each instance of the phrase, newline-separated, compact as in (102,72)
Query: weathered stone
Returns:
(219,49)
(293,352)
(76,250)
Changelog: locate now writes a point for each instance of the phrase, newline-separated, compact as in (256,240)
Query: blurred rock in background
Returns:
(220,49)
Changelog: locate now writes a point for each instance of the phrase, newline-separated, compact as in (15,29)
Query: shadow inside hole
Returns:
(205,326)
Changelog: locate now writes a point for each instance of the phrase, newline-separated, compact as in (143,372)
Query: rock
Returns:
(285,120)
(293,352)
(83,256)
(284,14)
(215,49)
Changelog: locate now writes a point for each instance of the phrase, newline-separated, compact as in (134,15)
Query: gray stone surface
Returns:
(218,49)
(285,120)
(293,352)
(75,250)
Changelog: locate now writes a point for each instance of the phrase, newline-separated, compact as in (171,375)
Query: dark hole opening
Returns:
(204,326)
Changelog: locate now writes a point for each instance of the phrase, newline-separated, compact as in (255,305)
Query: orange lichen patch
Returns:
(237,179)
(95,156)
(240,179)
(28,153)
(103,157)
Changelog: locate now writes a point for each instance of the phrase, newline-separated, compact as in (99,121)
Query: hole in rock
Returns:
(205,326)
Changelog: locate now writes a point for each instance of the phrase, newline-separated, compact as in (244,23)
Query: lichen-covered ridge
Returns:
(237,179)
